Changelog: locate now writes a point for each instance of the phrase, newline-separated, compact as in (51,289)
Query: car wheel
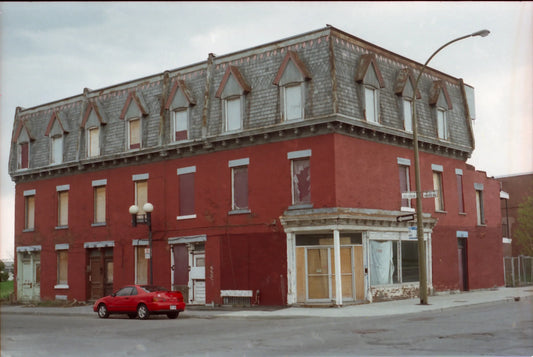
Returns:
(132,315)
(143,312)
(173,315)
(102,311)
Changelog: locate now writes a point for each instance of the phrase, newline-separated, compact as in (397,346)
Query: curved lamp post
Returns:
(419,224)
(146,218)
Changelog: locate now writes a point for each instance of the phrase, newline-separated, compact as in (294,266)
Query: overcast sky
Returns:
(51,51)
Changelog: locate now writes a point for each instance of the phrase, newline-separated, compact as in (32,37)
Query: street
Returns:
(504,328)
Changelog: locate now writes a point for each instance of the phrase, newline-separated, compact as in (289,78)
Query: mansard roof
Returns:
(405,75)
(22,125)
(292,56)
(233,71)
(94,105)
(59,117)
(366,62)
(180,85)
(438,88)
(138,100)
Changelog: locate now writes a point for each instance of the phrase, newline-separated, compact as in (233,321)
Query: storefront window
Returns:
(393,264)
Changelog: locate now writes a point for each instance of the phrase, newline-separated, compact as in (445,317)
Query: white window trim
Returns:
(407,121)
(240,98)
(89,142)
(128,131)
(63,246)
(302,101)
(446,133)
(53,159)
(299,154)
(375,104)
(140,177)
(173,124)
(184,171)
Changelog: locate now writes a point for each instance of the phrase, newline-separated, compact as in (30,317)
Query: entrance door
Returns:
(100,279)
(463,264)
(30,276)
(197,277)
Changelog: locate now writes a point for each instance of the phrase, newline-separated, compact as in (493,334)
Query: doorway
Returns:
(29,280)
(100,273)
(462,263)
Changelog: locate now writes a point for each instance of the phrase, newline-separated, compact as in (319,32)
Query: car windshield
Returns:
(152,288)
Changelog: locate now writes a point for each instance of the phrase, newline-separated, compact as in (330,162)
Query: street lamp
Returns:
(146,218)
(419,223)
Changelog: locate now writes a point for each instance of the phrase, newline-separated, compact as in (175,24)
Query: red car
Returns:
(141,301)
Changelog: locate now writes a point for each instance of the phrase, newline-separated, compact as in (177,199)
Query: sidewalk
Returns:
(397,307)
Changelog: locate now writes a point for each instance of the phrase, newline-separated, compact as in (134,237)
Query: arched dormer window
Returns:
(56,130)
(291,78)
(404,88)
(439,98)
(23,138)
(369,76)
(232,91)
(179,103)
(132,113)
(94,118)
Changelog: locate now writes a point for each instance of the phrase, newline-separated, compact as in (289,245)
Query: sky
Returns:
(52,50)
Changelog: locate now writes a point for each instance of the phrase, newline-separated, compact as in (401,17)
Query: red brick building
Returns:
(267,168)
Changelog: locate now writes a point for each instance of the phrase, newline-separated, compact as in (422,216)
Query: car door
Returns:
(122,300)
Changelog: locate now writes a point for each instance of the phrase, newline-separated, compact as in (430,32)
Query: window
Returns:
(480,209)
(141,195)
(56,150)
(29,212)
(442,125)
(134,134)
(437,186)
(301,181)
(371,105)
(408,115)
(293,102)
(23,155)
(393,262)
(460,195)
(180,123)
(239,185)
(404,185)
(186,192)
(232,111)
(93,142)
(99,205)
(141,265)
(62,267)
(62,212)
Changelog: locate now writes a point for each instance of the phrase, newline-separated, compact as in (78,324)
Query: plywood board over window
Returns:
(134,133)
(99,204)
(62,209)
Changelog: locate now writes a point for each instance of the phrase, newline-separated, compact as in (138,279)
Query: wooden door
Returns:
(96,277)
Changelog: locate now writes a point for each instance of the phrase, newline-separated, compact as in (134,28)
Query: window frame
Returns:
(134,146)
(62,207)
(56,150)
(186,183)
(175,116)
(97,204)
(407,106)
(93,147)
(439,199)
(375,103)
(297,87)
(406,168)
(460,191)
(29,198)
(62,268)
(23,155)
(480,208)
(239,104)
(398,258)
(442,124)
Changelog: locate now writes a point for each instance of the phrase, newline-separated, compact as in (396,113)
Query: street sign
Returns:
(430,194)
(408,195)
(406,218)
(146,253)
(412,233)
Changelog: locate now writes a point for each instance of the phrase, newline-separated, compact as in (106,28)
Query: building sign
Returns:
(412,233)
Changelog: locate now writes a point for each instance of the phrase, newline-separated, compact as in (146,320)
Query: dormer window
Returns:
(232,114)
(133,111)
(369,76)
(232,91)
(93,122)
(56,149)
(439,98)
(180,102)
(291,78)
(23,155)
(134,134)
(404,88)
(407,105)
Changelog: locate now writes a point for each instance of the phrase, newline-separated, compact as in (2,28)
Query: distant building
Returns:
(515,189)
(276,175)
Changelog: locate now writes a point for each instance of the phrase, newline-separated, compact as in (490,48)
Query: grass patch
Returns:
(6,288)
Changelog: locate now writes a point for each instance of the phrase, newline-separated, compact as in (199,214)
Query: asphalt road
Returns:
(493,329)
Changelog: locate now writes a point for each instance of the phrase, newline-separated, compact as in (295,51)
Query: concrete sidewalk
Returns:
(397,307)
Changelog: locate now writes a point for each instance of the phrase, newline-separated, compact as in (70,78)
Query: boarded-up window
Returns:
(293,102)
(134,133)
(141,195)
(233,114)
(62,267)
(23,157)
(29,219)
(99,204)
(181,125)
(56,150)
(62,213)
(437,186)
(460,195)
(301,181)
(404,184)
(141,269)
(186,194)
(240,187)
(94,142)
(408,115)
